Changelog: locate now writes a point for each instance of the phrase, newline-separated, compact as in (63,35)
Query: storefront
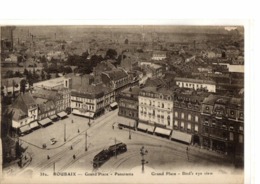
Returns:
(145,127)
(45,122)
(34,125)
(83,113)
(54,117)
(113,106)
(126,122)
(62,115)
(162,132)
(24,130)
(181,136)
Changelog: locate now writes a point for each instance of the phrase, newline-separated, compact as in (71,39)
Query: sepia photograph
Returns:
(122,103)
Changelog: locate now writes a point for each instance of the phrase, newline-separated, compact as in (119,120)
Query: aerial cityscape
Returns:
(121,99)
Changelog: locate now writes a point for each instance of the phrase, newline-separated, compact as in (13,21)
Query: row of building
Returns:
(194,117)
(84,95)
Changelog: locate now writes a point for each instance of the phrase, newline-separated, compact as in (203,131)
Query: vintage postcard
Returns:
(122,104)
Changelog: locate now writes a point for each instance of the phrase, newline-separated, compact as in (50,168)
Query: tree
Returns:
(48,75)
(9,74)
(126,41)
(42,75)
(22,86)
(25,72)
(111,54)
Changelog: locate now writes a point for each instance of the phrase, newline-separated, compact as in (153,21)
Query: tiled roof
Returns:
(132,90)
(23,101)
(18,114)
(91,91)
(156,90)
(116,74)
(46,94)
(194,80)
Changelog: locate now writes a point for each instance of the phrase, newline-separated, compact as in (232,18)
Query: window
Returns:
(189,117)
(175,123)
(176,114)
(153,112)
(231,136)
(231,128)
(196,118)
(241,128)
(241,139)
(169,120)
(158,104)
(162,105)
(189,126)
(182,115)
(196,129)
(182,125)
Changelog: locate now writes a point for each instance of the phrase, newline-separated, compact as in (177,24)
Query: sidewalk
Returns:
(181,147)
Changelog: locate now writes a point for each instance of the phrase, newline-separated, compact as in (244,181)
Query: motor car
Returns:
(53,141)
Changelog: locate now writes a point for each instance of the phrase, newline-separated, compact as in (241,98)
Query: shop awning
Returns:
(25,128)
(162,131)
(53,117)
(114,104)
(181,136)
(145,127)
(34,124)
(126,121)
(62,114)
(86,114)
(45,121)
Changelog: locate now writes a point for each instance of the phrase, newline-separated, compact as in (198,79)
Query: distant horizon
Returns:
(198,29)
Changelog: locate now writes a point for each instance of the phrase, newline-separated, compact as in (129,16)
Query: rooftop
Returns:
(116,74)
(201,81)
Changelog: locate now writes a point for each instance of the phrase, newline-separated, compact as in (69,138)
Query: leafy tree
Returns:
(48,76)
(111,54)
(9,74)
(25,72)
(22,86)
(42,75)
(126,41)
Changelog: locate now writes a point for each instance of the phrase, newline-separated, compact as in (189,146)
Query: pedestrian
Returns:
(71,148)
(78,131)
(113,127)
(48,157)
(89,124)
(74,157)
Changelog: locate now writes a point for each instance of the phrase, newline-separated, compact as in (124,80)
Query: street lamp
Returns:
(143,162)
(86,141)
(129,131)
(64,132)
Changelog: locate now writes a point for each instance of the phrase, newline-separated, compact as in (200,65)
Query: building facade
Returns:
(25,110)
(156,106)
(196,84)
(187,115)
(223,124)
(128,103)
(91,101)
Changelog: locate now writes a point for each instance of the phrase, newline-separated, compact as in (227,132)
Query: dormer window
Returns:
(207,108)
(232,113)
